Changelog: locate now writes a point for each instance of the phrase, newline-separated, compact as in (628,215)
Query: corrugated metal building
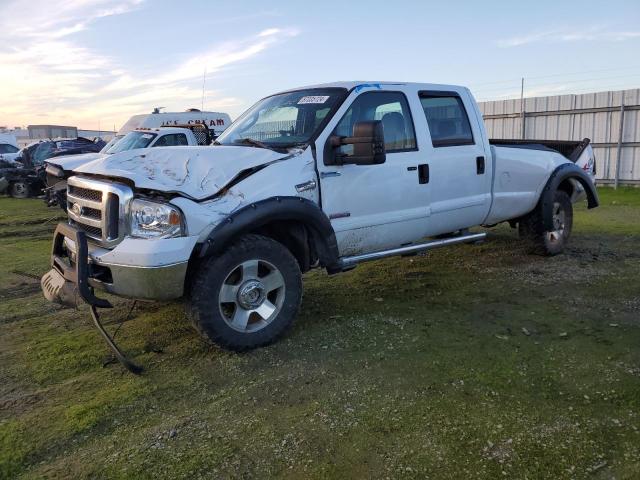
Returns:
(610,119)
(51,131)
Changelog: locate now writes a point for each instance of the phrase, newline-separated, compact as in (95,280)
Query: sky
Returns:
(94,63)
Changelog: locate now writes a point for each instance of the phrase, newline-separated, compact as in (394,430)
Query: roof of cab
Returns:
(349,85)
(164,129)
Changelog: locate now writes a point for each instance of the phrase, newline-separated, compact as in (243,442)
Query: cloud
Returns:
(59,19)
(566,35)
(48,72)
(211,60)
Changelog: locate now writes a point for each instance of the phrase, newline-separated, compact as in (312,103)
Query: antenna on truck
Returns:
(204,79)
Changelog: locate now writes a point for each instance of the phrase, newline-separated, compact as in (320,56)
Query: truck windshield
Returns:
(130,141)
(110,143)
(286,119)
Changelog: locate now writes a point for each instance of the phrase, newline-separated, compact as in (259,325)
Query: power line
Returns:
(513,80)
(575,91)
(557,84)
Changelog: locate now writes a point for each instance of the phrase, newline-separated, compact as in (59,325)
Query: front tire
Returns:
(19,189)
(549,242)
(248,296)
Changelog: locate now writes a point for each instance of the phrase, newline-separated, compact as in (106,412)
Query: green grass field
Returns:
(469,362)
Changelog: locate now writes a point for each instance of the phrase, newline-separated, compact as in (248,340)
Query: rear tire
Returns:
(248,296)
(548,242)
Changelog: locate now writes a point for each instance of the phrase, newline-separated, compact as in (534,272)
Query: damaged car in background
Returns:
(328,177)
(24,175)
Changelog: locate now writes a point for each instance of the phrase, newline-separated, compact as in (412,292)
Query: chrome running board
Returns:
(348,262)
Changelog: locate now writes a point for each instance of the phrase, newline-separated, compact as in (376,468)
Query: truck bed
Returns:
(571,150)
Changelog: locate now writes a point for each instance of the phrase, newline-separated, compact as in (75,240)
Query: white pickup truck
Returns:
(8,147)
(324,176)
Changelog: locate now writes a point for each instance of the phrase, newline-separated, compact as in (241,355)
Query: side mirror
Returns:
(368,145)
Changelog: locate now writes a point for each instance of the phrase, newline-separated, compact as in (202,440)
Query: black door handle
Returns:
(480,165)
(423,173)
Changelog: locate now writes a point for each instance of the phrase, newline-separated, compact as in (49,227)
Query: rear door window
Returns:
(447,119)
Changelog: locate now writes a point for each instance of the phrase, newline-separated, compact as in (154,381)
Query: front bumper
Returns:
(75,272)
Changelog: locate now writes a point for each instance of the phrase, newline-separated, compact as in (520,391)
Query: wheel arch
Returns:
(296,222)
(563,178)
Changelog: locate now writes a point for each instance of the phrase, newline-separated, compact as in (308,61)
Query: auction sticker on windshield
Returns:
(313,99)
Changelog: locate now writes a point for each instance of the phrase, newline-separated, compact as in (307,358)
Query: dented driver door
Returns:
(375,207)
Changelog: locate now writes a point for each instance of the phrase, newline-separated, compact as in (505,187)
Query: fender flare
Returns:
(258,214)
(559,175)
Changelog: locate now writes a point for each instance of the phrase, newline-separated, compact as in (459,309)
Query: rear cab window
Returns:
(171,140)
(447,119)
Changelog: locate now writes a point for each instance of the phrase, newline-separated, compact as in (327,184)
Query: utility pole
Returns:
(522,108)
(620,138)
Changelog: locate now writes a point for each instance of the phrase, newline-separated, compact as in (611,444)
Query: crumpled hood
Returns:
(196,172)
(71,162)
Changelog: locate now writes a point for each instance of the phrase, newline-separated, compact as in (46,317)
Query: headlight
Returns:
(154,220)
(54,170)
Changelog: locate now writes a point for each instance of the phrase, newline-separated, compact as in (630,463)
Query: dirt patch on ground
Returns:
(16,403)
(22,290)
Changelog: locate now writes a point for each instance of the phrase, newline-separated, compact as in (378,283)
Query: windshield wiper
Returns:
(259,144)
(293,145)
(255,143)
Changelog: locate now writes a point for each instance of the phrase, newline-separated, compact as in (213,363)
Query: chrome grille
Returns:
(93,232)
(99,209)
(92,213)
(85,193)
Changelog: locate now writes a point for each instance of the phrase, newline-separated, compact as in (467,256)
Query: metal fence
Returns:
(610,119)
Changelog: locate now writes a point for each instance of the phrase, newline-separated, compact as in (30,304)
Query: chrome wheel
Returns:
(19,190)
(559,221)
(251,296)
